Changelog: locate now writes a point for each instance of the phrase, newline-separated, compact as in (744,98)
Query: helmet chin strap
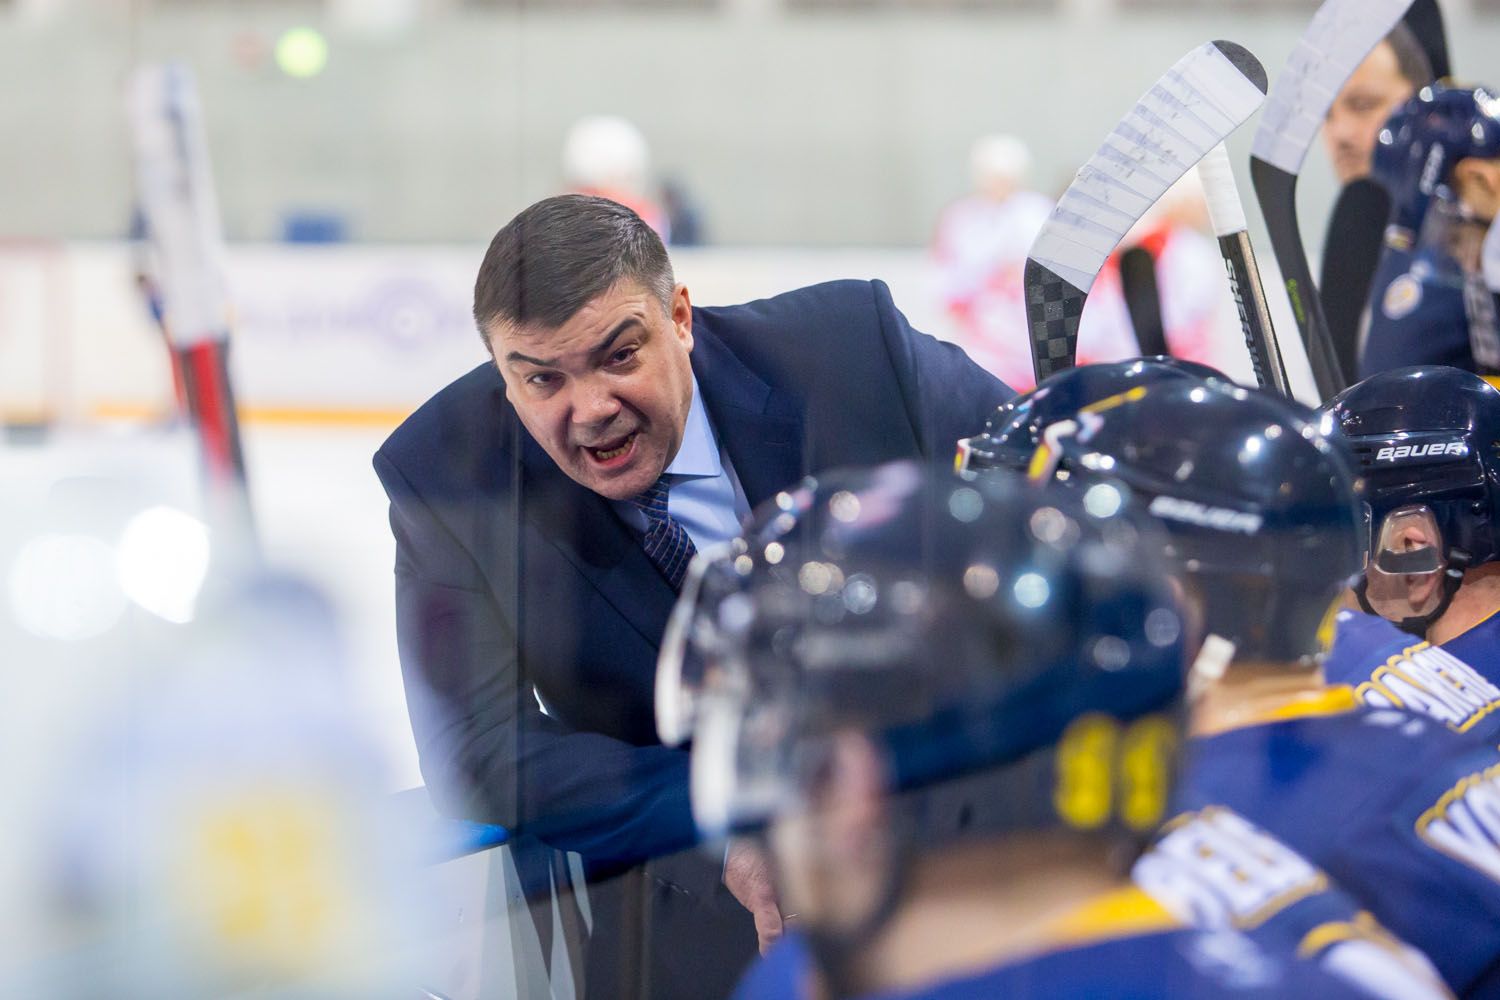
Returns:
(1417,625)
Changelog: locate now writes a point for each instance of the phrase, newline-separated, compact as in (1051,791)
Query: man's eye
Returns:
(541,380)
(623,355)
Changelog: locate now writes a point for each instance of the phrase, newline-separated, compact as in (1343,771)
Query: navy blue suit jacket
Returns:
(825,376)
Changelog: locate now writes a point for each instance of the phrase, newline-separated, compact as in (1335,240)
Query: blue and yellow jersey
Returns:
(1402,813)
(1215,870)
(1121,946)
(1479,647)
(1454,684)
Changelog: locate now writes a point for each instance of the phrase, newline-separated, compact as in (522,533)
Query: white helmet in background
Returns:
(606,152)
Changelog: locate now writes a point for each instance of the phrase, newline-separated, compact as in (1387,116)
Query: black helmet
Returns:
(1425,441)
(1262,511)
(964,626)
(1013,432)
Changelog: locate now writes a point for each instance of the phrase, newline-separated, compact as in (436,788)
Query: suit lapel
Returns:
(759,427)
(583,526)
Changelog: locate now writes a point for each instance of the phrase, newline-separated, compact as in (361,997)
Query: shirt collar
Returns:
(698,455)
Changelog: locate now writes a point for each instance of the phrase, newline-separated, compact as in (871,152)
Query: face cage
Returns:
(1392,559)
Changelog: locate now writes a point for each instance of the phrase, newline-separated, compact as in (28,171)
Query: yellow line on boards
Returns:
(266,415)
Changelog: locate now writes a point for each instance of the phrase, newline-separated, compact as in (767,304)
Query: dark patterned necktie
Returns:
(667,543)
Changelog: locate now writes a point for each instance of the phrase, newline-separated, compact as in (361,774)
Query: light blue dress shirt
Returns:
(704,493)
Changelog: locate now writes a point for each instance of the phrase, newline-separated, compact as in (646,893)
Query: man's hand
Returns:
(747,874)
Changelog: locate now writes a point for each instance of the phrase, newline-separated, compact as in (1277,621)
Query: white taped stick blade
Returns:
(1225,210)
(174,184)
(1341,35)
(1191,109)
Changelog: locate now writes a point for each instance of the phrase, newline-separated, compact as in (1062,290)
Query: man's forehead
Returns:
(1380,67)
(594,319)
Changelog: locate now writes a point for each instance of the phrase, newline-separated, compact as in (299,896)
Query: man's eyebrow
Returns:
(620,328)
(600,348)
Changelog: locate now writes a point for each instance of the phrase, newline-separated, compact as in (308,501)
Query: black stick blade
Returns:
(1053,308)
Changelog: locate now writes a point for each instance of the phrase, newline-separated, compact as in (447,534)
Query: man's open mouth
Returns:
(612,449)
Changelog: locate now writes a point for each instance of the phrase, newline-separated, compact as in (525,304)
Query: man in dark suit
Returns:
(545,506)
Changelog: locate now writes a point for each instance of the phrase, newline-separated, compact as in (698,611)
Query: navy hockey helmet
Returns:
(1425,440)
(1262,511)
(689,659)
(1416,150)
(965,627)
(1013,432)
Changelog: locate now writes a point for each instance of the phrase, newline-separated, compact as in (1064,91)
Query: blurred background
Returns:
(363,153)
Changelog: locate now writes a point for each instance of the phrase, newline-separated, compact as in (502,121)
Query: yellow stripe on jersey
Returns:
(1333,700)
(1126,912)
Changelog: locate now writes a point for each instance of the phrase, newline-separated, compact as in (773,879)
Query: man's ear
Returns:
(681,314)
(1478,185)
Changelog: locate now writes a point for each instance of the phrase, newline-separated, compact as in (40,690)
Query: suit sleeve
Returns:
(487,751)
(947,394)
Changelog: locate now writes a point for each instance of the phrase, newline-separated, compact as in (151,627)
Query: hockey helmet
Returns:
(1416,150)
(964,627)
(1262,511)
(1425,440)
(1013,432)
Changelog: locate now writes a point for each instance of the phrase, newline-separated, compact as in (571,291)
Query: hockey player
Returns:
(1425,441)
(1266,534)
(895,631)
(1439,157)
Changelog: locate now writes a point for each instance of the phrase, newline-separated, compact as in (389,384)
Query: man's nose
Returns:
(594,403)
(1340,129)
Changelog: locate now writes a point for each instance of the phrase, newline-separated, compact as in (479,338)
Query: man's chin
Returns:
(1349,173)
(624,485)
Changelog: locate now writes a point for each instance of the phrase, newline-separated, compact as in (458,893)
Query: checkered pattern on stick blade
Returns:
(1053,307)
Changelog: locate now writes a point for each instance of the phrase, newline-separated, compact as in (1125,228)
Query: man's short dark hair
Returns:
(554,257)
(1411,58)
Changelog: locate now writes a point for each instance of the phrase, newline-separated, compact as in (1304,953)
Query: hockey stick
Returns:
(1209,93)
(1143,300)
(1227,214)
(1341,34)
(181,217)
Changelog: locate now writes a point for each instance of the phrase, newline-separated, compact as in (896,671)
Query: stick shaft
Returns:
(1276,190)
(1227,214)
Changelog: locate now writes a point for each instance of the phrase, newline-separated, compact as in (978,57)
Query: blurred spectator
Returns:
(684,216)
(1388,77)
(607,155)
(979,250)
